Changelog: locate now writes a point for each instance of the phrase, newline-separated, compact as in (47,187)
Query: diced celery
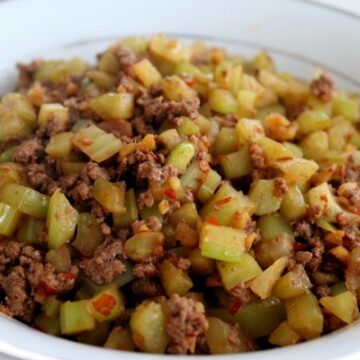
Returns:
(11,173)
(344,306)
(146,72)
(176,89)
(61,220)
(262,195)
(9,219)
(51,306)
(102,80)
(7,155)
(236,164)
(260,317)
(53,112)
(110,196)
(75,317)
(56,71)
(181,155)
(315,145)
(338,288)
(25,199)
(297,170)
(95,337)
(88,235)
(222,242)
(200,265)
(284,335)
(170,138)
(109,63)
(49,325)
(192,176)
(313,120)
(29,230)
(147,324)
(219,340)
(222,102)
(114,106)
(187,213)
(349,108)
(187,127)
(174,280)
(226,141)
(120,339)
(247,102)
(233,274)
(294,283)
(208,186)
(294,149)
(263,283)
(340,134)
(144,245)
(131,214)
(60,258)
(249,130)
(107,305)
(304,315)
(96,143)
(60,144)
(293,204)
(274,150)
(277,239)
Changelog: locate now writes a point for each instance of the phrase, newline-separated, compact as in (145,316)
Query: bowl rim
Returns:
(341,340)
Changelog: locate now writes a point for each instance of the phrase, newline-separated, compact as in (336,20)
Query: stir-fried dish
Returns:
(177,199)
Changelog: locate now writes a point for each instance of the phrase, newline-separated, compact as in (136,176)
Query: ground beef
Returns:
(156,110)
(351,240)
(68,181)
(152,223)
(154,173)
(322,290)
(106,263)
(39,178)
(45,280)
(303,257)
(145,199)
(257,156)
(280,187)
(52,126)
(143,270)
(240,295)
(94,171)
(313,212)
(118,128)
(186,322)
(125,56)
(29,151)
(312,259)
(82,192)
(351,171)
(322,87)
(9,253)
(303,228)
(26,73)
(185,234)
(19,303)
(141,127)
(145,288)
(352,195)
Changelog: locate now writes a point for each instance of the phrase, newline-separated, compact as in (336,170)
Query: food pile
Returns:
(176,199)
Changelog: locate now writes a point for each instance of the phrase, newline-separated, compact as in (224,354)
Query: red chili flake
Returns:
(223,201)
(104,304)
(324,198)
(45,289)
(298,246)
(67,276)
(212,220)
(170,193)
(235,306)
(190,82)
(285,158)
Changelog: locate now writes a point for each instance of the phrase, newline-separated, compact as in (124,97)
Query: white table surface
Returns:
(348,5)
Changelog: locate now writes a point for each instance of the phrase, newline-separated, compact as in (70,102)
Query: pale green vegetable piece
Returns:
(304,315)
(222,242)
(181,155)
(9,219)
(62,219)
(114,106)
(147,324)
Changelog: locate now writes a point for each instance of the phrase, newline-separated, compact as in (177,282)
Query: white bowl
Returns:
(301,36)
